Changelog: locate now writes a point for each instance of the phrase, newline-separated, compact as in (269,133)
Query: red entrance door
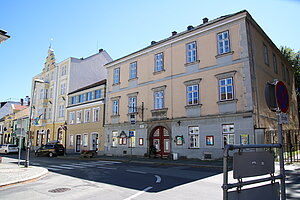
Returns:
(161,141)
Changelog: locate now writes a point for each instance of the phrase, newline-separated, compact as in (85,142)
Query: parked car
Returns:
(50,149)
(9,148)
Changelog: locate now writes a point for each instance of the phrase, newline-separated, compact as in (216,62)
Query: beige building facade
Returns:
(85,113)
(195,91)
(49,114)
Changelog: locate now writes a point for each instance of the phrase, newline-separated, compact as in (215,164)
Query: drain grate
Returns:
(59,190)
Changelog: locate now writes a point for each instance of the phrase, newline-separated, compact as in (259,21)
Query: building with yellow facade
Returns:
(50,89)
(195,91)
(86,118)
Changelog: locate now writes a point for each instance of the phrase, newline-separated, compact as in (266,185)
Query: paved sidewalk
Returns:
(11,173)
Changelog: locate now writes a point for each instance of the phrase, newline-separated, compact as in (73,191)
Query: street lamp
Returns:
(65,128)
(26,164)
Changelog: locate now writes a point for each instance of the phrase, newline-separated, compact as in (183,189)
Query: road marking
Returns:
(54,169)
(105,168)
(57,166)
(139,193)
(139,172)
(73,166)
(158,179)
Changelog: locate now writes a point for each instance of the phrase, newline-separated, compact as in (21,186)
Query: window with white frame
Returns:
(226,89)
(159,99)
(64,70)
(115,107)
(78,116)
(49,111)
(131,140)
(114,138)
(133,70)
(61,112)
(266,56)
(228,134)
(42,94)
(81,98)
(87,114)
(46,93)
(132,104)
(85,140)
(62,88)
(223,42)
(98,94)
(89,96)
(96,114)
(275,63)
(71,140)
(72,118)
(116,77)
(191,52)
(159,62)
(73,100)
(193,136)
(192,94)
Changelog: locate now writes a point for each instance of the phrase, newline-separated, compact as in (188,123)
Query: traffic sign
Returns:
(282,96)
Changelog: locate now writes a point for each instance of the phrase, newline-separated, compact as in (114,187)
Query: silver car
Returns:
(9,148)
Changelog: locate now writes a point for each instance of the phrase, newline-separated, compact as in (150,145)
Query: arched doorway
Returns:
(160,139)
(48,136)
(59,135)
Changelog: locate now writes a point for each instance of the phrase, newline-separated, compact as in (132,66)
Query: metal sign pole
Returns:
(280,140)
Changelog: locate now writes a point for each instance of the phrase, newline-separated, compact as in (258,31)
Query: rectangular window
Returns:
(72,118)
(71,140)
(228,134)
(159,62)
(46,94)
(266,56)
(51,92)
(159,100)
(52,76)
(87,114)
(85,140)
(73,100)
(78,116)
(131,140)
(49,115)
(223,42)
(62,88)
(115,108)
(275,63)
(63,70)
(141,141)
(96,114)
(191,52)
(131,104)
(61,112)
(210,140)
(114,138)
(133,70)
(89,96)
(98,94)
(226,89)
(283,72)
(122,140)
(116,76)
(244,139)
(192,94)
(45,114)
(81,98)
(42,94)
(194,137)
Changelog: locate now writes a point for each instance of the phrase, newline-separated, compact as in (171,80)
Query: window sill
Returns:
(227,101)
(133,113)
(193,106)
(133,79)
(159,72)
(115,116)
(115,84)
(194,148)
(191,63)
(224,54)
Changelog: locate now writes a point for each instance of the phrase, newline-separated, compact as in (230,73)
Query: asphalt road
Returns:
(112,180)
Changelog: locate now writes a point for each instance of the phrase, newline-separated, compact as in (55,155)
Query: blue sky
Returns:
(78,27)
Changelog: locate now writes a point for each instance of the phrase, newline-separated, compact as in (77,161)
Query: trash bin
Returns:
(175,156)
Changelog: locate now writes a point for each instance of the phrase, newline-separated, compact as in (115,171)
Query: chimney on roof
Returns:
(190,27)
(27,99)
(205,20)
(153,42)
(22,102)
(100,50)
(174,33)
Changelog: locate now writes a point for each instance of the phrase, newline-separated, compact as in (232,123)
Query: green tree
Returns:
(294,59)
